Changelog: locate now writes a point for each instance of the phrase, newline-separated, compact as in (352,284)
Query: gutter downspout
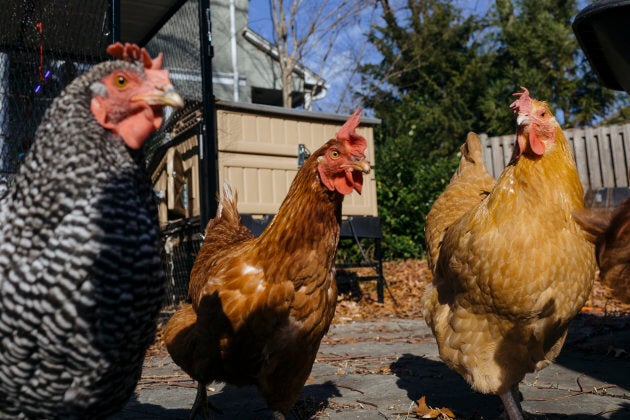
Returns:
(235,76)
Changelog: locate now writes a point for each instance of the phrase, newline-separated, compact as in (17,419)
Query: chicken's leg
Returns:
(511,403)
(202,403)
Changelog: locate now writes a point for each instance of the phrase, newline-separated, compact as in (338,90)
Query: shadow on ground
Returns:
(442,387)
(135,410)
(247,403)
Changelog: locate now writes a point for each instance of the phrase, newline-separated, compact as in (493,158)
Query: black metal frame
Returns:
(366,227)
(208,153)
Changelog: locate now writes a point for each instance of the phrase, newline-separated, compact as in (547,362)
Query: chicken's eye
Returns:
(335,154)
(120,81)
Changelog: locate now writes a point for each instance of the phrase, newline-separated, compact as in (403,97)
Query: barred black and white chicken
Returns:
(80,274)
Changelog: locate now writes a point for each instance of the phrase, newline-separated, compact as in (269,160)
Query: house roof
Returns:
(141,19)
(311,79)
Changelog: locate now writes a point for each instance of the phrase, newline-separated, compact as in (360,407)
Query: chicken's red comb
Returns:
(523,105)
(347,131)
(132,52)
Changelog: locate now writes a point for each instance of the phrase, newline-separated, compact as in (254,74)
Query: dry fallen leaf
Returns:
(426,412)
(422,409)
(447,412)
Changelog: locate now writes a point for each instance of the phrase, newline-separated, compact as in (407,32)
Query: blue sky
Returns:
(338,66)
(350,47)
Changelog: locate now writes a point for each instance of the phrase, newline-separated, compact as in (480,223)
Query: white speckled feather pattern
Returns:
(80,274)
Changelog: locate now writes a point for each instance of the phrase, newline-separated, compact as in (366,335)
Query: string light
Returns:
(42,75)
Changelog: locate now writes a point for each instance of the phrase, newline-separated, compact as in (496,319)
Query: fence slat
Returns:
(497,156)
(605,157)
(486,149)
(626,146)
(581,160)
(592,155)
(508,149)
(620,166)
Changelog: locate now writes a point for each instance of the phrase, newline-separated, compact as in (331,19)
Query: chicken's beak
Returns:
(162,97)
(361,165)
(522,119)
(355,173)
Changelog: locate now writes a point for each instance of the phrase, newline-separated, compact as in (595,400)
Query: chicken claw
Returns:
(202,403)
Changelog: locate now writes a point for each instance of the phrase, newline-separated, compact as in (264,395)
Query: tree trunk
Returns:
(286,71)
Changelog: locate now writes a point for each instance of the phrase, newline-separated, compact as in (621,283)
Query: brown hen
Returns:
(260,306)
(611,236)
(511,267)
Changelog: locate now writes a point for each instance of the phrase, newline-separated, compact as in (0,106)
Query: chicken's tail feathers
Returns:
(227,212)
(471,149)
(593,222)
(472,155)
(227,208)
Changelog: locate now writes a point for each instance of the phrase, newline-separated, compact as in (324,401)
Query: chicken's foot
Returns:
(277,415)
(511,403)
(202,403)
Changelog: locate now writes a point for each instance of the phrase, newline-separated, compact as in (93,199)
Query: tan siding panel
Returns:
(258,156)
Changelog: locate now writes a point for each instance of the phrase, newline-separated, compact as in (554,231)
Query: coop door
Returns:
(177,185)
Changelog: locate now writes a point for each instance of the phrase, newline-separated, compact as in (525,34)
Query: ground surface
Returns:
(379,360)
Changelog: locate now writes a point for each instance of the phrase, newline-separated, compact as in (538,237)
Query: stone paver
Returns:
(375,370)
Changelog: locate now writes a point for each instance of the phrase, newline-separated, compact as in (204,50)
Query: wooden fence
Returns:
(601,155)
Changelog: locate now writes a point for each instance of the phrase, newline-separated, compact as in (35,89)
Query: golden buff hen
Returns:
(260,306)
(510,265)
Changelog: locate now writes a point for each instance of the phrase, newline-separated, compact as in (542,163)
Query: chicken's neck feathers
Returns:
(552,177)
(309,217)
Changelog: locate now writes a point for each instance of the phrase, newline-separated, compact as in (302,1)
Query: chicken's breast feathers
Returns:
(247,296)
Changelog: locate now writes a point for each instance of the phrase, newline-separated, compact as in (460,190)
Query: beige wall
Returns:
(258,157)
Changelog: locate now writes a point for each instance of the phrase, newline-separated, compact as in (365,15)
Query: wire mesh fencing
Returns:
(181,244)
(44,45)
(178,39)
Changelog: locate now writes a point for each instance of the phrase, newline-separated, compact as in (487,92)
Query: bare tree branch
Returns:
(304,28)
